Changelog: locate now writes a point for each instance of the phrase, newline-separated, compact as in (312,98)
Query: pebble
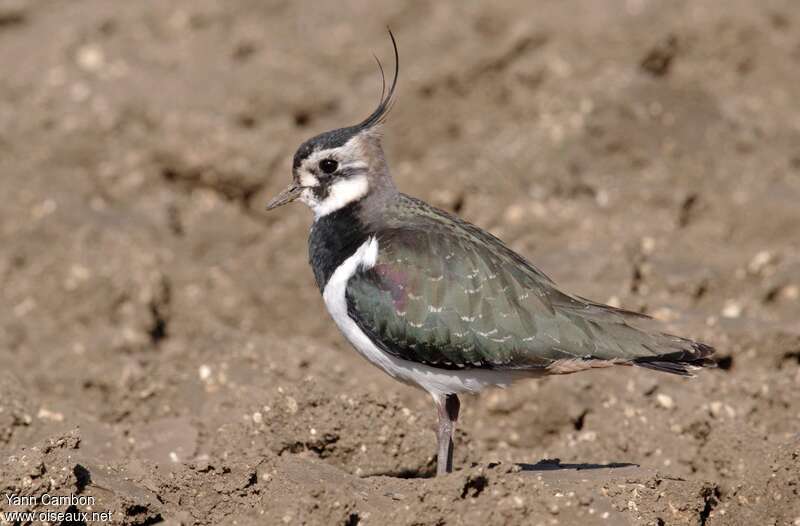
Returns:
(602,198)
(665,314)
(90,58)
(77,275)
(46,414)
(792,292)
(514,214)
(24,307)
(732,309)
(665,401)
(760,261)
(648,245)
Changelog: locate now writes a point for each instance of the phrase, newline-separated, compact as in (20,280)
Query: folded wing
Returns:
(446,294)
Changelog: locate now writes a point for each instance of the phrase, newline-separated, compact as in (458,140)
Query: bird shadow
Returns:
(555,464)
(544,465)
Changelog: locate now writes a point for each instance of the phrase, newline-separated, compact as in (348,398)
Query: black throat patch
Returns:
(334,238)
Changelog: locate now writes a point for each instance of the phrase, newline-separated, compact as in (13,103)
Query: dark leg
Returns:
(447,407)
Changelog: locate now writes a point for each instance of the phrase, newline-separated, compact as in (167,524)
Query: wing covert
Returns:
(447,294)
(449,302)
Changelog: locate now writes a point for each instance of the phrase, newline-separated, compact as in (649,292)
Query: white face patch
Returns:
(307,179)
(348,184)
(340,194)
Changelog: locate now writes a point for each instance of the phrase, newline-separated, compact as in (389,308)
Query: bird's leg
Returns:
(447,407)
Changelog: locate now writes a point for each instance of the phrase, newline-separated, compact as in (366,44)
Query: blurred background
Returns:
(158,325)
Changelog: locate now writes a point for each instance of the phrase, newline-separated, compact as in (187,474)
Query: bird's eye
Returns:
(328,166)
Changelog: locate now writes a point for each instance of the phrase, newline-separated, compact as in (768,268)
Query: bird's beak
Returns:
(291,193)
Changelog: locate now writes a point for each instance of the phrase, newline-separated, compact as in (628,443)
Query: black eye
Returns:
(328,166)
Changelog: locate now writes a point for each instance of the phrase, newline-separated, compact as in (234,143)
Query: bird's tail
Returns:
(690,356)
(621,337)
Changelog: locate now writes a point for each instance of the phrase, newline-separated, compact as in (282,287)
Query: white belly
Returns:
(435,381)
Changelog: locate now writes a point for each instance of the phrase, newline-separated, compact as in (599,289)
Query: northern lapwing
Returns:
(439,303)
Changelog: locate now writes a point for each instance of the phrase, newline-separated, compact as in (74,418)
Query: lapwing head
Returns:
(342,166)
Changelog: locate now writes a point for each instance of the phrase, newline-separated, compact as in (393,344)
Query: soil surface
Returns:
(165,351)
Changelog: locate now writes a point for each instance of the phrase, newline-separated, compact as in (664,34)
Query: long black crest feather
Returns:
(340,136)
(386,102)
(383,77)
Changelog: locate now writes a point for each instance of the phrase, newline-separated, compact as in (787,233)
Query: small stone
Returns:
(257,417)
(90,58)
(77,275)
(602,198)
(791,292)
(732,309)
(759,262)
(665,314)
(514,214)
(205,372)
(291,405)
(46,414)
(665,401)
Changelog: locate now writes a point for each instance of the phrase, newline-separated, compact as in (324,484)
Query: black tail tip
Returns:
(682,363)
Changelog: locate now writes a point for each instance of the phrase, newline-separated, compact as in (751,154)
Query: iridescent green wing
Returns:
(433,299)
(447,294)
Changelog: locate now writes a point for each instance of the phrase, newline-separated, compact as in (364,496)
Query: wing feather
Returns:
(447,294)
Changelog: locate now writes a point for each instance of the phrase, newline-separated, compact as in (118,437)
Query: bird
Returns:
(439,303)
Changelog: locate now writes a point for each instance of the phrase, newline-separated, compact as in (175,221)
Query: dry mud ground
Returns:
(164,349)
